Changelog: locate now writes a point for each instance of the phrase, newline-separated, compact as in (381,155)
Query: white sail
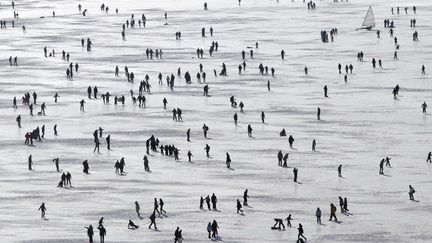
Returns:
(369,20)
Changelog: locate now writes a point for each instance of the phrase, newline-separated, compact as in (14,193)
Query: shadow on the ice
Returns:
(217,238)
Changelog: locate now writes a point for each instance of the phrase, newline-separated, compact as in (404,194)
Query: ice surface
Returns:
(361,122)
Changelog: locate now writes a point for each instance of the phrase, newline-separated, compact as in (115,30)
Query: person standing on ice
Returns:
(313,145)
(90,233)
(228,161)
(341,204)
(345,205)
(318,114)
(411,193)
(85,166)
(424,107)
(295,171)
(214,201)
(31,109)
(262,117)
(42,208)
(235,117)
(333,212)
(122,164)
(189,154)
(381,166)
(18,120)
(280,157)
(340,171)
(68,179)
(165,102)
(30,162)
(55,97)
(288,219)
(306,70)
(395,91)
(245,198)
(207,149)
(82,102)
(89,92)
(291,141)
(387,160)
(146,164)
(215,228)
(102,233)
(429,157)
(56,161)
(156,206)
(97,143)
(43,108)
(205,130)
(285,160)
(14,103)
(209,229)
(283,55)
(423,70)
(318,215)
(108,141)
(249,129)
(207,200)
(241,105)
(325,91)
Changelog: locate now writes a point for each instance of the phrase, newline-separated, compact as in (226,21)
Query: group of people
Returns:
(170,150)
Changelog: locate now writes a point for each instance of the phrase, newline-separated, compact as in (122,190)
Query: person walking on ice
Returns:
(301,232)
(137,209)
(245,198)
(42,208)
(82,102)
(228,161)
(333,212)
(239,206)
(411,193)
(424,107)
(318,215)
(152,220)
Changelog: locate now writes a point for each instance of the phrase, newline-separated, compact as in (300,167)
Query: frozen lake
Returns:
(360,122)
